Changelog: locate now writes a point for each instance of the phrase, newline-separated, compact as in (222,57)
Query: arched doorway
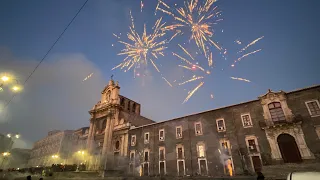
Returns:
(289,149)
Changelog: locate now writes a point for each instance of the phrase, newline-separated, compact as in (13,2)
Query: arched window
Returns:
(134,107)
(117,145)
(276,112)
(108,96)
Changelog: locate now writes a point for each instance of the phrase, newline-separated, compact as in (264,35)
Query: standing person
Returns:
(29,177)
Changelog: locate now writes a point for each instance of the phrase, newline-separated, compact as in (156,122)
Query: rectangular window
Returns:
(132,156)
(225,147)
(146,137)
(180,152)
(162,168)
(252,145)
(179,132)
(161,135)
(133,140)
(313,108)
(146,156)
(161,153)
(181,167)
(198,128)
(246,120)
(220,125)
(201,150)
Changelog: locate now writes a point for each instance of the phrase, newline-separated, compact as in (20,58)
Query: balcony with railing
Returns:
(287,120)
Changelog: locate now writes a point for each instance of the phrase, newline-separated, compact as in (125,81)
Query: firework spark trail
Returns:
(192,92)
(141,46)
(86,78)
(167,81)
(190,80)
(186,51)
(141,5)
(211,96)
(245,55)
(198,18)
(240,79)
(116,36)
(250,44)
(210,61)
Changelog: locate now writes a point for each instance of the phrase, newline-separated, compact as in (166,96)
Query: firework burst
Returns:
(199,18)
(140,49)
(193,67)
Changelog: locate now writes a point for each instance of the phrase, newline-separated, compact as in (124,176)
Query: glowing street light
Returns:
(9,135)
(16,88)
(81,152)
(55,156)
(4,78)
(6,154)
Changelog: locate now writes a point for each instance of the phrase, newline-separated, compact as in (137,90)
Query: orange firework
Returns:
(197,17)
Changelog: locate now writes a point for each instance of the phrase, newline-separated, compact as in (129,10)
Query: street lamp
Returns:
(5,156)
(5,79)
(12,137)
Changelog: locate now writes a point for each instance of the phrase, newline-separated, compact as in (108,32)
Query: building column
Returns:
(90,135)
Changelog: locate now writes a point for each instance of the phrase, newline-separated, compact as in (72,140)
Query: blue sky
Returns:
(288,60)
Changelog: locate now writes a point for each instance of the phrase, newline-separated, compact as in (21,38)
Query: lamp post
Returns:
(54,157)
(81,153)
(12,137)
(5,155)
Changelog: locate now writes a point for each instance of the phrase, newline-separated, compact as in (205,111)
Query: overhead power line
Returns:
(47,53)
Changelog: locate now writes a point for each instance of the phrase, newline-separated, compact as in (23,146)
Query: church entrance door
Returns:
(289,149)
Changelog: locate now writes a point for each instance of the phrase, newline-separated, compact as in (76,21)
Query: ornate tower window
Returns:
(276,112)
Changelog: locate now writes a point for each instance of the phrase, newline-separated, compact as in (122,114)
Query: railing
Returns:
(288,120)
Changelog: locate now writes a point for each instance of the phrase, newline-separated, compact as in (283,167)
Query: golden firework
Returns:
(197,17)
(141,48)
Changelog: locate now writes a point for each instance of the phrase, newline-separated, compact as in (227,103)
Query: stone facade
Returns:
(111,119)
(278,127)
(56,148)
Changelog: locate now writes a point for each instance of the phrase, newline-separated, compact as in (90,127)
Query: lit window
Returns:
(276,112)
(146,138)
(161,153)
(198,128)
(161,135)
(201,150)
(313,108)
(178,132)
(133,140)
(246,120)
(220,125)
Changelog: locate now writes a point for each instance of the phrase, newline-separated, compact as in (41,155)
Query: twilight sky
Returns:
(56,98)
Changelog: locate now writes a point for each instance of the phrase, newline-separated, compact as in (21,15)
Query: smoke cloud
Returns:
(55,97)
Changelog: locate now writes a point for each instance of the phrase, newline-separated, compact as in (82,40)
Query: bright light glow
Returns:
(6,154)
(16,88)
(17,136)
(9,135)
(55,156)
(4,78)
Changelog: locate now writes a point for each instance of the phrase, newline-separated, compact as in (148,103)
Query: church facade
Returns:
(111,119)
(277,127)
